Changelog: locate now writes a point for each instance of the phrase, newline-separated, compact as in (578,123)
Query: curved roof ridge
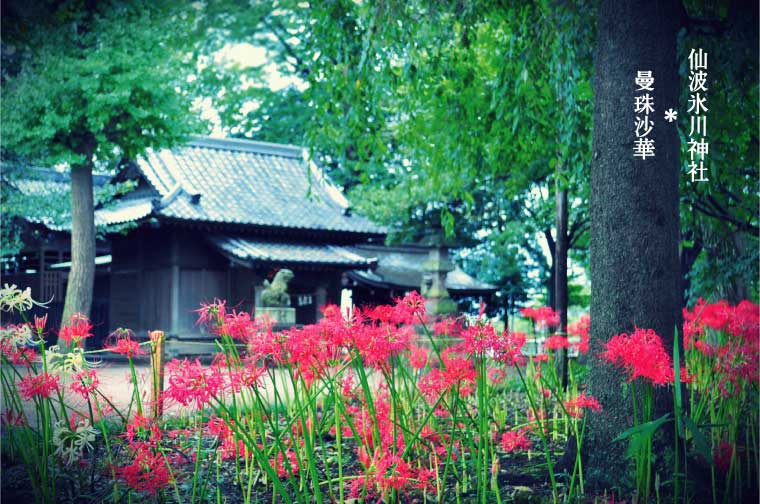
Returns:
(245,145)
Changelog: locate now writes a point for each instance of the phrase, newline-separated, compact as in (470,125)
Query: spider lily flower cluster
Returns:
(381,406)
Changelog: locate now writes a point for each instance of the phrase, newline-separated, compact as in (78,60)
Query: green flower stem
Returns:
(555,495)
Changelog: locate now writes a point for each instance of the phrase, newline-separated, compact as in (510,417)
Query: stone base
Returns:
(438,306)
(283,316)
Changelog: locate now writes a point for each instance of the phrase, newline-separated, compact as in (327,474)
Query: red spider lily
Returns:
(456,372)
(686,377)
(582,329)
(384,314)
(316,349)
(425,479)
(716,315)
(377,344)
(223,430)
(736,351)
(18,356)
(411,307)
(265,344)
(120,341)
(8,418)
(541,358)
(225,361)
(386,470)
(556,343)
(543,316)
(210,314)
(575,406)
(641,354)
(741,321)
(507,348)
(722,455)
(745,321)
(147,473)
(347,386)
(418,357)
(141,432)
(285,465)
(190,382)
(77,329)
(450,327)
(40,385)
(85,382)
(408,310)
(393,472)
(496,375)
(40,323)
(516,440)
(249,375)
(237,325)
(478,338)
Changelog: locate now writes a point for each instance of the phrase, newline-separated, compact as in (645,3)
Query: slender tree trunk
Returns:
(560,277)
(82,275)
(551,284)
(634,211)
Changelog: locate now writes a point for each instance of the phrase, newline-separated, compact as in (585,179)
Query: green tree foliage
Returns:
(28,196)
(720,218)
(93,84)
(242,93)
(454,110)
(439,110)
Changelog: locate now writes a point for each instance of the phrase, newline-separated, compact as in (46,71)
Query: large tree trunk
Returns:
(82,275)
(560,277)
(634,211)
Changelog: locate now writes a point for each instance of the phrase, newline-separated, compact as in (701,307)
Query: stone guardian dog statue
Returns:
(275,294)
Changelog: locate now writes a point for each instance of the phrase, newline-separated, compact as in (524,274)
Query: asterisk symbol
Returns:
(671,115)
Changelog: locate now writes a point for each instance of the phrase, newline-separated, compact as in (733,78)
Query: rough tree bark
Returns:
(634,210)
(82,275)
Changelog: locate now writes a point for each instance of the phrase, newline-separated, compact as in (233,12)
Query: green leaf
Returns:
(701,444)
(640,434)
(677,384)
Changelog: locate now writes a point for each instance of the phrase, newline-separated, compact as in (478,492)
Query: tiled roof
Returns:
(251,251)
(251,183)
(401,267)
(224,181)
(43,182)
(126,210)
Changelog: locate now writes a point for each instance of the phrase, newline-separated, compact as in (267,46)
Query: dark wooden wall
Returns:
(160,276)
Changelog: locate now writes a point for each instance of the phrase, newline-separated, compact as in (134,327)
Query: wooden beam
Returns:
(174,329)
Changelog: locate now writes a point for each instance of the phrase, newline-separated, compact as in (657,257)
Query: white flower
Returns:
(70,444)
(66,363)
(17,336)
(13,298)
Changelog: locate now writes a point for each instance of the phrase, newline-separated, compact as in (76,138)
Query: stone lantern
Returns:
(436,267)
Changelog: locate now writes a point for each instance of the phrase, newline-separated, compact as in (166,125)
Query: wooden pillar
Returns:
(320,299)
(175,274)
(41,294)
(157,348)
